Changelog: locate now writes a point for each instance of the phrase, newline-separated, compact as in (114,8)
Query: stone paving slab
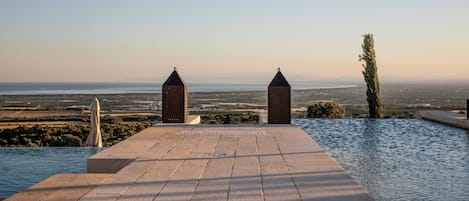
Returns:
(283,164)
(449,118)
(61,187)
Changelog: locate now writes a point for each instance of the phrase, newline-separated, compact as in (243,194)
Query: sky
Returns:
(231,41)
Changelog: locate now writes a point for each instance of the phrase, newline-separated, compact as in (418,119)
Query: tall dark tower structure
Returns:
(279,100)
(174,100)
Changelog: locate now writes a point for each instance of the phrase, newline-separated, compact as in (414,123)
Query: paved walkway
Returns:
(224,163)
(448,118)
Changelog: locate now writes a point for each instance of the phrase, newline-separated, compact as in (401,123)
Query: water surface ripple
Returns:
(23,167)
(398,159)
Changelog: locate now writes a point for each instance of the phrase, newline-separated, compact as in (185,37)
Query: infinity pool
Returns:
(23,167)
(393,159)
(396,159)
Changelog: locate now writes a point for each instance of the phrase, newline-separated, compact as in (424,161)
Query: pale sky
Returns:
(230,41)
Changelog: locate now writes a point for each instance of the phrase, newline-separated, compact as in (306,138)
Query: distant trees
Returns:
(69,135)
(70,140)
(325,110)
(230,118)
(370,73)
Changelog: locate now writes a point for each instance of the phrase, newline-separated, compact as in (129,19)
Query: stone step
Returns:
(61,187)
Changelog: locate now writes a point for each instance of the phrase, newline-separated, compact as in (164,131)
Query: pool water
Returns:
(23,167)
(398,159)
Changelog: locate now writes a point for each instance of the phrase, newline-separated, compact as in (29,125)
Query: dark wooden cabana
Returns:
(174,100)
(279,100)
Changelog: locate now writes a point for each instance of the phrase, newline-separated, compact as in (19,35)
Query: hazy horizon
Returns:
(231,42)
(258,82)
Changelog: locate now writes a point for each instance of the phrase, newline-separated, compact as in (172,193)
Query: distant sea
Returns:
(125,88)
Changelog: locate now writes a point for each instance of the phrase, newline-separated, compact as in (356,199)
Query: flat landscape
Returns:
(21,113)
(42,120)
(400,101)
(43,123)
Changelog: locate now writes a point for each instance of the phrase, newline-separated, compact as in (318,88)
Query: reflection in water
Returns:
(397,159)
(370,152)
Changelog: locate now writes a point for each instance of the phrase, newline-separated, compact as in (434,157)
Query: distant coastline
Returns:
(9,88)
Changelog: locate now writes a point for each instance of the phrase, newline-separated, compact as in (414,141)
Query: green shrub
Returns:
(70,140)
(69,135)
(325,110)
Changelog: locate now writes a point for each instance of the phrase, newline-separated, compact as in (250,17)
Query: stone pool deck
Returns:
(455,119)
(201,162)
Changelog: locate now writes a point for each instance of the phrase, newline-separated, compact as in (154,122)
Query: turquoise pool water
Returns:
(398,159)
(23,167)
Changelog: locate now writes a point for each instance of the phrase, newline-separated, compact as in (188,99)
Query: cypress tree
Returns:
(370,73)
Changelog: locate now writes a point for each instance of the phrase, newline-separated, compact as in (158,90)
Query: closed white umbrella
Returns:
(94,138)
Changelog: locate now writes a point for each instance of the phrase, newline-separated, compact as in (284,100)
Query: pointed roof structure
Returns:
(279,100)
(279,80)
(174,79)
(174,99)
